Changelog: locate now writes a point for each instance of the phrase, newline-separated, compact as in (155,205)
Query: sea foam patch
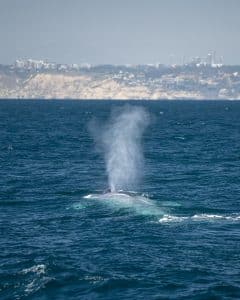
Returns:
(37,269)
(35,278)
(200,218)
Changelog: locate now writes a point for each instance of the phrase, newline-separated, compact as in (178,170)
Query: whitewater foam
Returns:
(200,218)
(38,269)
(170,218)
(36,277)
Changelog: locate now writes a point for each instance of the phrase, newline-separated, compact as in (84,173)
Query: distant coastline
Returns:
(38,80)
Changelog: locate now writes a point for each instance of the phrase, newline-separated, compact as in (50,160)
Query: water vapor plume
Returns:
(121,143)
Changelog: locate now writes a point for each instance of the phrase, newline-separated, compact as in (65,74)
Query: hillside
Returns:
(120,83)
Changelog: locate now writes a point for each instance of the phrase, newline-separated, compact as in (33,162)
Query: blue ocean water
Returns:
(177,238)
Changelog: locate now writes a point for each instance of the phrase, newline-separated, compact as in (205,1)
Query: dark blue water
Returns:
(56,244)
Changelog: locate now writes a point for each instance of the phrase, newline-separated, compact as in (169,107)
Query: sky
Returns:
(119,31)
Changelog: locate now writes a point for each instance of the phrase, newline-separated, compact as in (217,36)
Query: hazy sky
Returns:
(119,31)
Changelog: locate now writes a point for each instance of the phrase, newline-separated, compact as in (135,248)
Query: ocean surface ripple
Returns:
(177,236)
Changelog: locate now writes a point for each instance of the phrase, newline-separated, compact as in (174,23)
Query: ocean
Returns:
(175,235)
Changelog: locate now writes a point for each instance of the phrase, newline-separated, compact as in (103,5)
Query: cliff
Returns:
(118,83)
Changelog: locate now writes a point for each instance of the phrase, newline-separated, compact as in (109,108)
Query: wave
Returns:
(200,218)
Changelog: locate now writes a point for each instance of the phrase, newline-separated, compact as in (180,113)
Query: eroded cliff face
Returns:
(69,86)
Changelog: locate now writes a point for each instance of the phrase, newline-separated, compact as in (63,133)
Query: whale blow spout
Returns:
(120,141)
(122,147)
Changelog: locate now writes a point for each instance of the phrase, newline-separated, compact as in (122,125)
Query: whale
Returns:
(139,203)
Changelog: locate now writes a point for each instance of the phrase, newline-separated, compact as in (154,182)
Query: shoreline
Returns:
(122,100)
